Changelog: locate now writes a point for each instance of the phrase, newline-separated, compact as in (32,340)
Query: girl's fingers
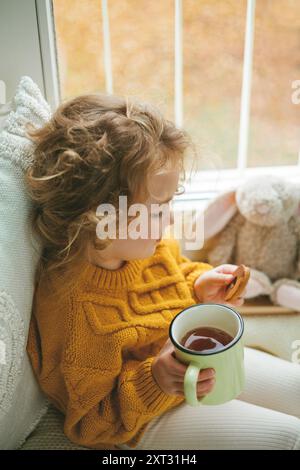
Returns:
(206,386)
(226,268)
(178,369)
(220,278)
(204,375)
(202,387)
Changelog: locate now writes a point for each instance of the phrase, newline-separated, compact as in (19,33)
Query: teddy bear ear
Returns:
(218,213)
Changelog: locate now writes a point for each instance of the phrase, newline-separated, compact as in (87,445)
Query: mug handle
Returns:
(190,384)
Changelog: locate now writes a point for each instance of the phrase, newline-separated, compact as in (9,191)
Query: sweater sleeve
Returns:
(111,406)
(190,269)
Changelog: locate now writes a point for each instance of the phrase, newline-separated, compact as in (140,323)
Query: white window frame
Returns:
(46,28)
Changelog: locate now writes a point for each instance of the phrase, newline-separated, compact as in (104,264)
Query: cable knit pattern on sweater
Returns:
(92,349)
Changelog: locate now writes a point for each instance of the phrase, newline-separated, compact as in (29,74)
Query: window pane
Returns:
(142,50)
(213,60)
(141,45)
(275,138)
(79,43)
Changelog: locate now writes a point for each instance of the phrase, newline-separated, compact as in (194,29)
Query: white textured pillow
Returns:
(21,402)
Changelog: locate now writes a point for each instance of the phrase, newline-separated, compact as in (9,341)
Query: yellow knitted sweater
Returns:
(92,347)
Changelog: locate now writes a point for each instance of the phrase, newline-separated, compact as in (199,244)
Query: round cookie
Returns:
(236,287)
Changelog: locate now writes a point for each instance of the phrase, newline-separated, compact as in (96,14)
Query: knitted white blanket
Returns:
(21,401)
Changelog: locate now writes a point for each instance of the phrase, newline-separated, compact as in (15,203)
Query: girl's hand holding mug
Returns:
(169,373)
(195,377)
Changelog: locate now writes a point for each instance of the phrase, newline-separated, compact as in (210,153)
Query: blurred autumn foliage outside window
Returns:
(142,47)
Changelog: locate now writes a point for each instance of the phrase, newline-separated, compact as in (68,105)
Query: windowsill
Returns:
(206,185)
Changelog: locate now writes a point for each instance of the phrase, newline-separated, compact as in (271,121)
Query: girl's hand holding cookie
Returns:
(213,285)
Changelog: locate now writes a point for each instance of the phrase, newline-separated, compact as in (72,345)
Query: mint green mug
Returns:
(228,362)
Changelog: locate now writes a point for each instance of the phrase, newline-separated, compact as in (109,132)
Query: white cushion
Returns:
(21,402)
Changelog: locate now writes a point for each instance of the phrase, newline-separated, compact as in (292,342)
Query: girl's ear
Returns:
(218,213)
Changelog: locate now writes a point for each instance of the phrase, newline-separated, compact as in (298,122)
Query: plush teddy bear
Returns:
(258,225)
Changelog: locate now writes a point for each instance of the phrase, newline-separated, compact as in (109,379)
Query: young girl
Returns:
(98,339)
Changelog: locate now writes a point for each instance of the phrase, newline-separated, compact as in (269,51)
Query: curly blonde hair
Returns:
(94,148)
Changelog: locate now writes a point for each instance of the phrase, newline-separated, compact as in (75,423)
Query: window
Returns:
(222,69)
(199,61)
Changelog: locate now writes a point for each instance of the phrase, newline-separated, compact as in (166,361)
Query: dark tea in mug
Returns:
(206,339)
